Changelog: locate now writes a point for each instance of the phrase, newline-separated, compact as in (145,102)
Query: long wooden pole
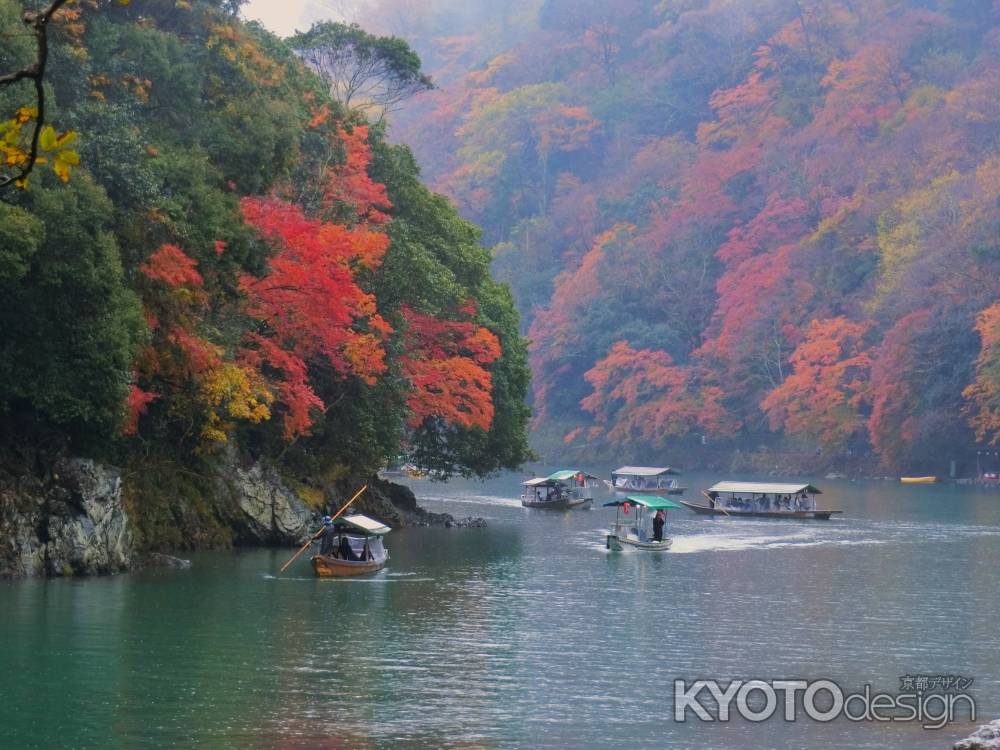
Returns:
(713,502)
(322,529)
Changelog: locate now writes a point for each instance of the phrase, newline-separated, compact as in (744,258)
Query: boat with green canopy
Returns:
(761,499)
(561,490)
(629,530)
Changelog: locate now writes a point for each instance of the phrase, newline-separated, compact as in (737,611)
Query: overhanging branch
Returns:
(38,22)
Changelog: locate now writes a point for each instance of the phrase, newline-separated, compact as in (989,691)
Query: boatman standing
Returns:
(328,542)
(658,520)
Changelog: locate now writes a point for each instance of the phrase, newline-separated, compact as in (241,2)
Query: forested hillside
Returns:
(226,258)
(730,223)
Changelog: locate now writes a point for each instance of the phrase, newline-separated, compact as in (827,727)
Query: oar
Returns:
(713,504)
(315,536)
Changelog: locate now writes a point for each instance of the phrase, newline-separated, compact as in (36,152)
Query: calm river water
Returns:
(526,634)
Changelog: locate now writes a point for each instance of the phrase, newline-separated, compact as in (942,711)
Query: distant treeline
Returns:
(774,222)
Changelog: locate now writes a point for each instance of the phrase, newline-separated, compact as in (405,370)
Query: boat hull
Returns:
(331,567)
(565,504)
(704,510)
(623,544)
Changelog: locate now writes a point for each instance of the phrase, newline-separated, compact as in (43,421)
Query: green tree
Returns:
(372,73)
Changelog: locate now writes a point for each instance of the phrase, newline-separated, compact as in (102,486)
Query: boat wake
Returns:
(489,500)
(688,543)
(377,578)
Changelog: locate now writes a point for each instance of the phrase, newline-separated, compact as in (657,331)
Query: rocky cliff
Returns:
(67,521)
(76,516)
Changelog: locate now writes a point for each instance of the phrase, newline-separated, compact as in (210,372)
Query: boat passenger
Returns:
(346,553)
(658,520)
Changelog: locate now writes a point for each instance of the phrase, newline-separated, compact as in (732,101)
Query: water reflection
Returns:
(528,633)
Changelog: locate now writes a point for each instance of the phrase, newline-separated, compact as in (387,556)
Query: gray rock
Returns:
(72,522)
(987,737)
(159,561)
(470,522)
(262,508)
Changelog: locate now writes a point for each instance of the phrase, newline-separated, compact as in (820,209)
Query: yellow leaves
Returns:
(62,163)
(15,145)
(245,55)
(24,115)
(232,392)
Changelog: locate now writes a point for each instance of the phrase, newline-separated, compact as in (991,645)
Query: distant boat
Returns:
(647,480)
(626,533)
(561,490)
(761,499)
(918,480)
(403,470)
(358,548)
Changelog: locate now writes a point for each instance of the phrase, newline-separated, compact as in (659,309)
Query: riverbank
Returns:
(66,516)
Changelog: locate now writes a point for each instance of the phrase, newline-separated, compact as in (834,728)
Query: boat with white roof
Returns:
(761,499)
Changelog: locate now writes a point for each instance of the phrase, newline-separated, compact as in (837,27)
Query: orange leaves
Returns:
(137,403)
(445,361)
(565,128)
(895,402)
(310,241)
(349,183)
(823,397)
(642,397)
(173,267)
(292,386)
(309,298)
(983,394)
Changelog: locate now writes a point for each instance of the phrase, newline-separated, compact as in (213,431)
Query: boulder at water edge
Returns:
(987,737)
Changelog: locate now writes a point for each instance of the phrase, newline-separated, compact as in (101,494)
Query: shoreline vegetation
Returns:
(81,517)
(226,298)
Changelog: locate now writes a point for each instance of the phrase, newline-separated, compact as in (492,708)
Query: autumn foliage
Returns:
(793,203)
(984,392)
(445,361)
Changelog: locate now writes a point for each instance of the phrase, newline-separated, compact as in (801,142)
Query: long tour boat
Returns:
(761,499)
(646,480)
(561,490)
(354,549)
(631,532)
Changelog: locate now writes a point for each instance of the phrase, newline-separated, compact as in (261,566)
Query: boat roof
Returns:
(364,523)
(765,488)
(563,474)
(538,482)
(646,501)
(645,471)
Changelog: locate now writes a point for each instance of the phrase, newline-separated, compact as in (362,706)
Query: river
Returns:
(525,634)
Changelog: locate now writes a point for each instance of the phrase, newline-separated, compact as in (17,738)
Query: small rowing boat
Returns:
(351,547)
(761,500)
(918,480)
(628,533)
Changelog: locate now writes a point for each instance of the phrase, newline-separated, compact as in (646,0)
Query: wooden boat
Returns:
(562,490)
(646,480)
(918,480)
(355,549)
(761,500)
(628,533)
